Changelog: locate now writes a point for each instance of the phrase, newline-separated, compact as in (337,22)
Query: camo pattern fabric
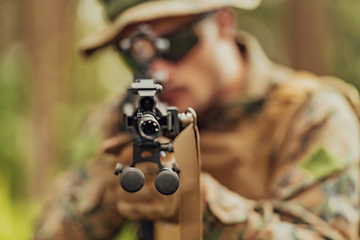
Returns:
(281,163)
(313,190)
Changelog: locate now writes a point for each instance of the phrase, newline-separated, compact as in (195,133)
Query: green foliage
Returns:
(128,232)
(14,104)
(269,24)
(17,212)
(344,24)
(17,217)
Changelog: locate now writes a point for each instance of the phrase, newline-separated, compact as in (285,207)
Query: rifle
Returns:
(146,118)
(149,118)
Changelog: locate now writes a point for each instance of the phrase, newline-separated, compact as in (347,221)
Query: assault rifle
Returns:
(148,118)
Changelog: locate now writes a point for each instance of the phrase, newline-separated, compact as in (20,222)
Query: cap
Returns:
(125,12)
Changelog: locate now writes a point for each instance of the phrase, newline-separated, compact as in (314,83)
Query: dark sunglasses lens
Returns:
(181,42)
(129,61)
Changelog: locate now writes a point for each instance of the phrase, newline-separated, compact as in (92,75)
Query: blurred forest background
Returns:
(47,89)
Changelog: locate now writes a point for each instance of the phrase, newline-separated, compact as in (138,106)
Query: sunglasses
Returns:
(181,42)
(143,46)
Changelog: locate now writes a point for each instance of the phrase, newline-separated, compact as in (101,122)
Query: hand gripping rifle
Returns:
(148,121)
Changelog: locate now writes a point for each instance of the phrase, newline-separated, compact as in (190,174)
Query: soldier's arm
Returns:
(82,205)
(315,185)
(90,204)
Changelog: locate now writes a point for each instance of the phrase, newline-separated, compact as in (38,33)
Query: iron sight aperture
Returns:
(147,103)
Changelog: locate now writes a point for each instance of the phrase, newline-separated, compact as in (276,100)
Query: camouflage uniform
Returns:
(280,163)
(285,158)
(289,156)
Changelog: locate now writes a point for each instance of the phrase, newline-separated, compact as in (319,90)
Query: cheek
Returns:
(202,82)
(208,79)
(199,72)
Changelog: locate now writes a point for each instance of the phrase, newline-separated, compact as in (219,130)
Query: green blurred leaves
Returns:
(17,217)
(17,211)
(14,125)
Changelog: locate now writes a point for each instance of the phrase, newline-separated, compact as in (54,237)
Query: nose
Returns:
(161,70)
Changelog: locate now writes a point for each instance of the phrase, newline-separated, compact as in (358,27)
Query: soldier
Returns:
(279,148)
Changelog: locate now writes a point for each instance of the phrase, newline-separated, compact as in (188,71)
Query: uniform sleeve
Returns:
(314,191)
(82,205)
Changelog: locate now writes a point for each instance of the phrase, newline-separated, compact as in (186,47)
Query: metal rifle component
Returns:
(147,118)
(141,48)
(146,124)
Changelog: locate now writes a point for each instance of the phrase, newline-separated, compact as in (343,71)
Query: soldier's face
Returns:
(205,75)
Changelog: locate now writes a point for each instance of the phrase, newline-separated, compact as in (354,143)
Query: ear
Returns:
(227,23)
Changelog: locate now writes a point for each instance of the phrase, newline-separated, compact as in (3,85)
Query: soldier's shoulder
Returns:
(303,85)
(305,91)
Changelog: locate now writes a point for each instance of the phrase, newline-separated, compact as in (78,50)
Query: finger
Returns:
(126,155)
(141,210)
(152,210)
(147,193)
(115,144)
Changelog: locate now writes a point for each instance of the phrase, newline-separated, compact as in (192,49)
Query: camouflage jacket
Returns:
(281,163)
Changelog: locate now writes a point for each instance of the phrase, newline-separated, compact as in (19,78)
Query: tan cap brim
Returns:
(153,10)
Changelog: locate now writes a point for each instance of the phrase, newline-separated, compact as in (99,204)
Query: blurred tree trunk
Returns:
(6,33)
(49,28)
(308,35)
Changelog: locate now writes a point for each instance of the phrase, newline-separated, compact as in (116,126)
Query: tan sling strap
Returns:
(190,214)
(187,154)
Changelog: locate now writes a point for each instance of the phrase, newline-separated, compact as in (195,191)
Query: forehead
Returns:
(161,26)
